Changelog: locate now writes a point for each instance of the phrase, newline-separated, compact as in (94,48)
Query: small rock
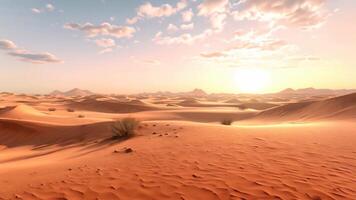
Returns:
(195,176)
(70,169)
(128,150)
(154,133)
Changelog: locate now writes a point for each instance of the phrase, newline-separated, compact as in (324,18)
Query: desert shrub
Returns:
(226,122)
(52,109)
(70,110)
(81,116)
(124,128)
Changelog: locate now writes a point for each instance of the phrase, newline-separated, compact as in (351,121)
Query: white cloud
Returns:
(172,28)
(147,10)
(165,10)
(187,26)
(27,56)
(36,58)
(305,14)
(50,7)
(217,21)
(186,39)
(105,29)
(35,10)
(209,7)
(7,45)
(106,43)
(187,16)
(133,20)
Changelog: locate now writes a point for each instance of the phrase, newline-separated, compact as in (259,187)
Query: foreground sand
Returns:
(186,160)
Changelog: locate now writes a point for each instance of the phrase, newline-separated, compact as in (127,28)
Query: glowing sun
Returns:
(251,80)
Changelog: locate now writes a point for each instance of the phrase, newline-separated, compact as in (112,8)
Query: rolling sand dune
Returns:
(256,106)
(333,108)
(233,100)
(281,162)
(19,111)
(19,133)
(178,153)
(112,106)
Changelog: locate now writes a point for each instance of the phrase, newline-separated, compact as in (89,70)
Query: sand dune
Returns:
(179,152)
(333,108)
(292,162)
(112,106)
(20,133)
(19,111)
(256,106)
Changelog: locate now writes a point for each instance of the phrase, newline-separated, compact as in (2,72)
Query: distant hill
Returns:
(72,92)
(196,92)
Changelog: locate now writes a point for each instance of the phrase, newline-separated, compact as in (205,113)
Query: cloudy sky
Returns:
(133,46)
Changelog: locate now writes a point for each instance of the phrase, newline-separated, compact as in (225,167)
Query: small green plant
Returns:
(124,128)
(226,122)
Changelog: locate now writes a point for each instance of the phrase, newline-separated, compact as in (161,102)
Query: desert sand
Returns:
(281,146)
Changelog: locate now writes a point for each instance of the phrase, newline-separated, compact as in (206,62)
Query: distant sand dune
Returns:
(112,106)
(333,108)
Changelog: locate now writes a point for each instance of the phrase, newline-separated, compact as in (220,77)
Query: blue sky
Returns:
(61,44)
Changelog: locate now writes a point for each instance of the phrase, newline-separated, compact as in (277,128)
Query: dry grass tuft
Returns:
(124,128)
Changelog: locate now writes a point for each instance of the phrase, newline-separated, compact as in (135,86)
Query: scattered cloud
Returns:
(172,28)
(185,38)
(104,29)
(36,58)
(35,10)
(305,14)
(132,21)
(209,7)
(147,10)
(27,56)
(187,16)
(50,7)
(105,43)
(187,26)
(7,45)
(217,21)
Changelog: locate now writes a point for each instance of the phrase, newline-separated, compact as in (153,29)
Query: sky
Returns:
(122,46)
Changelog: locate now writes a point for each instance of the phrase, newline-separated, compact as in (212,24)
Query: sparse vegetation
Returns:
(70,110)
(52,109)
(124,128)
(227,122)
(81,116)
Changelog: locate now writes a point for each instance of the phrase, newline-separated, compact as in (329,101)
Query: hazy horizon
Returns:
(146,46)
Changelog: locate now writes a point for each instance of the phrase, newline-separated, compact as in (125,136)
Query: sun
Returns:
(251,80)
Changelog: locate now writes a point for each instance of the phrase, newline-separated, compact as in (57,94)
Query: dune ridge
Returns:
(333,108)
